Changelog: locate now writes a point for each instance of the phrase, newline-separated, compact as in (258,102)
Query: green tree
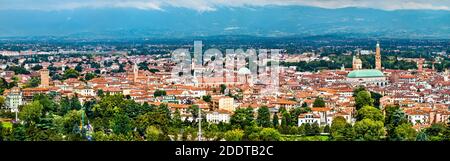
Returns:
(70,73)
(33,82)
(31,113)
(269,134)
(207,98)
(79,68)
(234,135)
(100,93)
(222,88)
(394,117)
(2,101)
(90,76)
(242,118)
(275,120)
(295,112)
(152,133)
(363,98)
(319,102)
(159,93)
(422,136)
(194,109)
(405,132)
(369,112)
(437,132)
(121,123)
(285,120)
(369,130)
(304,104)
(36,67)
(315,129)
(263,118)
(177,119)
(326,129)
(47,103)
(307,128)
(75,103)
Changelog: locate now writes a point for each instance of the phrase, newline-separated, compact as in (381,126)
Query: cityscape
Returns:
(341,86)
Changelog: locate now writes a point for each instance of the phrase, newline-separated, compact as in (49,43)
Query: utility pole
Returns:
(199,125)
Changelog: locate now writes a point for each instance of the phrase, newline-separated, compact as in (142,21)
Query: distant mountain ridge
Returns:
(267,21)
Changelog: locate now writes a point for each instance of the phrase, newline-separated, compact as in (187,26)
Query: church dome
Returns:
(367,73)
(244,71)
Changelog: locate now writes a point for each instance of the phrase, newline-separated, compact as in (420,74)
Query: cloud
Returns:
(211,5)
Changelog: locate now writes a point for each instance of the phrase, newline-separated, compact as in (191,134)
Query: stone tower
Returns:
(45,80)
(378,57)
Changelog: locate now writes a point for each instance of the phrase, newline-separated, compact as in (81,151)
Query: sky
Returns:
(212,5)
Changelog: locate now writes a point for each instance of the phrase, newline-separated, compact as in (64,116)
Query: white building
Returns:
(308,118)
(218,116)
(14,99)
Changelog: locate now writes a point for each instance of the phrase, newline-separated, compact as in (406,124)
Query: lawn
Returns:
(6,124)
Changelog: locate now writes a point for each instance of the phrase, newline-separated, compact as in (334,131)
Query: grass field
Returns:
(6,124)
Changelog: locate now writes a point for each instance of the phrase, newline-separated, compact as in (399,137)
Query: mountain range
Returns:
(264,21)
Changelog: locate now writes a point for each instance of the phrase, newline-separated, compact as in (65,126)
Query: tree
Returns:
(79,68)
(307,128)
(153,70)
(242,118)
(376,98)
(90,76)
(315,129)
(363,98)
(36,67)
(31,113)
(326,129)
(2,101)
(193,109)
(234,135)
(295,112)
(47,103)
(394,117)
(437,132)
(269,134)
(263,118)
(177,119)
(304,104)
(159,93)
(152,133)
(100,93)
(275,120)
(70,73)
(222,88)
(206,98)
(340,129)
(285,120)
(368,130)
(405,132)
(75,103)
(319,102)
(369,112)
(422,136)
(33,82)
(121,123)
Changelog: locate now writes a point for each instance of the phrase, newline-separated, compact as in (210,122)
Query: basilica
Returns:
(365,77)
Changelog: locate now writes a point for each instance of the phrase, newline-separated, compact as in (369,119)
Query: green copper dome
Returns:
(366,73)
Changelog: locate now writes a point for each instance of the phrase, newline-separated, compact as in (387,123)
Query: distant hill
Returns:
(268,21)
